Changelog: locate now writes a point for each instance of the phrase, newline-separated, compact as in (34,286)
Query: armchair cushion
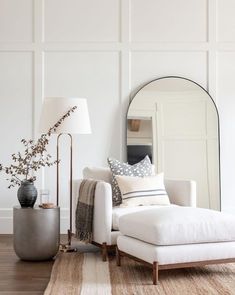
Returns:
(176,225)
(118,212)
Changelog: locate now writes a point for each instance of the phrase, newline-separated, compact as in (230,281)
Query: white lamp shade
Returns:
(55,107)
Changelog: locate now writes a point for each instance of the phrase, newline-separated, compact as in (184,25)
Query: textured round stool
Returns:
(36,232)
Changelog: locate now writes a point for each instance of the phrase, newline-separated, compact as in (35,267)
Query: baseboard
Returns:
(6,221)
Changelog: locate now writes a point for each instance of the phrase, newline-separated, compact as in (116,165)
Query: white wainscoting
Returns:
(105,50)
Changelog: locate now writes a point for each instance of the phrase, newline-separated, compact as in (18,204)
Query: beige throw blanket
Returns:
(84,210)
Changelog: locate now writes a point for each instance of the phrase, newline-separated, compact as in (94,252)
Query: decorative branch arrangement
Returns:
(33,158)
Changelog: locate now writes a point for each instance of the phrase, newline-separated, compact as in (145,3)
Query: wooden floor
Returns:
(27,278)
(20,277)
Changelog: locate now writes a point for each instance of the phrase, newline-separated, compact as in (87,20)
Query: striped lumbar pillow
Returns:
(142,191)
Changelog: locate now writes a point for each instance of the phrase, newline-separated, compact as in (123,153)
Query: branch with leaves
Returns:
(33,158)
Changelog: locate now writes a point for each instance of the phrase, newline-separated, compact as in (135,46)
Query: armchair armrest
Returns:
(181,192)
(102,218)
(102,215)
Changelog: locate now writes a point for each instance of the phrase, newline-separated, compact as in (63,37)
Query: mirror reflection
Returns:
(175,122)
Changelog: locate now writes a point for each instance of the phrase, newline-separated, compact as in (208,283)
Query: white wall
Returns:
(104,50)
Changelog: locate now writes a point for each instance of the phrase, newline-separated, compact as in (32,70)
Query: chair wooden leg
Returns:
(104,251)
(118,257)
(155,273)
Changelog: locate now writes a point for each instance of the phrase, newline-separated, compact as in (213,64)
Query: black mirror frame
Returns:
(179,77)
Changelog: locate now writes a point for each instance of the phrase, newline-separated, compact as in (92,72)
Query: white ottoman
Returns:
(176,237)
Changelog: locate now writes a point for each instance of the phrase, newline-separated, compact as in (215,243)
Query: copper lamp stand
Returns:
(66,247)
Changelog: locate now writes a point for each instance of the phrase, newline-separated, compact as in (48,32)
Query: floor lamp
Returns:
(77,123)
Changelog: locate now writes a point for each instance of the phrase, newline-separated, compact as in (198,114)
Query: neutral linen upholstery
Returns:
(142,191)
(141,169)
(178,225)
(176,254)
(103,174)
(181,192)
(120,211)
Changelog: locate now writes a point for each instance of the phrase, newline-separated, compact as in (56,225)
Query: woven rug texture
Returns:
(87,274)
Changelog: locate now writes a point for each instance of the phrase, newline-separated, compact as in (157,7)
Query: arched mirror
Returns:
(175,121)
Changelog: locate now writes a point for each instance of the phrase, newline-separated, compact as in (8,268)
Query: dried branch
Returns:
(33,158)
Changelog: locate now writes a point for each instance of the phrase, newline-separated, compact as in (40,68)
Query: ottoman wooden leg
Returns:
(118,257)
(104,251)
(155,273)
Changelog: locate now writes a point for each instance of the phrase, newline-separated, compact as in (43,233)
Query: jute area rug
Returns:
(85,273)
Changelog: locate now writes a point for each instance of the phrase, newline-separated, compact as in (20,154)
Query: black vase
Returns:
(27,194)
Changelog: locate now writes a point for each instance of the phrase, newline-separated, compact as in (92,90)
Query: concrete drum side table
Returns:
(36,232)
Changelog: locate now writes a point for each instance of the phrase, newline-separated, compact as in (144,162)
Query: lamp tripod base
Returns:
(68,248)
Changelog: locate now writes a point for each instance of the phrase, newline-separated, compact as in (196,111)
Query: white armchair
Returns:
(181,192)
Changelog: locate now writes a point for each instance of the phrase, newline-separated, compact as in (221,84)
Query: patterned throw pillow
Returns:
(141,169)
(142,191)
